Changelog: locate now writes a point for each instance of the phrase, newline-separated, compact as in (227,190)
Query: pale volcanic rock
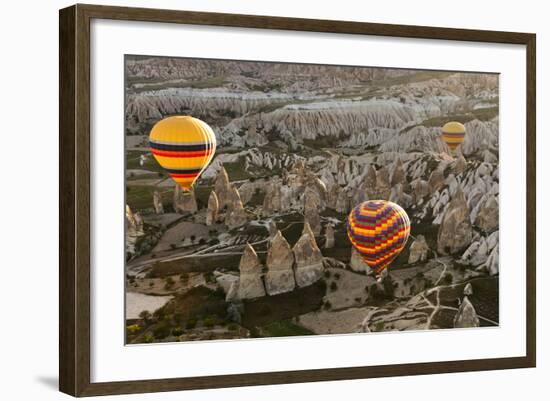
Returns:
(487,217)
(398,196)
(417,138)
(480,250)
(222,187)
(273,198)
(460,165)
(250,283)
(468,289)
(280,259)
(370,181)
(237,216)
(419,249)
(229,283)
(421,189)
(437,179)
(343,201)
(233,198)
(329,236)
(134,230)
(254,138)
(383,187)
(311,212)
(455,231)
(308,257)
(492,265)
(184,202)
(317,190)
(466,316)
(480,136)
(212,210)
(357,263)
(398,174)
(157,203)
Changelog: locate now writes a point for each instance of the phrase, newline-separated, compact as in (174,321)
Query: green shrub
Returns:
(448,278)
(145,315)
(133,328)
(161,332)
(168,283)
(333,286)
(210,321)
(191,323)
(379,326)
(177,331)
(148,338)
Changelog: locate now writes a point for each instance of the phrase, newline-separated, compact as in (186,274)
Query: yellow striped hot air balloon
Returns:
(183,146)
(453,134)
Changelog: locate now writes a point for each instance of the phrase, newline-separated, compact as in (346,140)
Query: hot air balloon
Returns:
(378,230)
(183,146)
(453,134)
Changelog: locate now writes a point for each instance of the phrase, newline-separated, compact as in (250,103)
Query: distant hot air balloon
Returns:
(378,230)
(183,146)
(453,134)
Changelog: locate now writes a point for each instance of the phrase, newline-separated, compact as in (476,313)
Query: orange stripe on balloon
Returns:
(167,153)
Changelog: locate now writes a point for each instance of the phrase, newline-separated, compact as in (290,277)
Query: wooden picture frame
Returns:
(74,204)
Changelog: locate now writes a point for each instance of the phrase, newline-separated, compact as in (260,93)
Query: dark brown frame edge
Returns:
(74,199)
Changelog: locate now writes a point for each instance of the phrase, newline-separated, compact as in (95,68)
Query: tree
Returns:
(145,315)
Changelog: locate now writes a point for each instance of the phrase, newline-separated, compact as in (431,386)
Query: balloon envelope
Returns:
(183,146)
(379,231)
(453,134)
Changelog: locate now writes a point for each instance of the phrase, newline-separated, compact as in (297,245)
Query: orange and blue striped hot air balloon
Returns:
(183,146)
(453,134)
(379,231)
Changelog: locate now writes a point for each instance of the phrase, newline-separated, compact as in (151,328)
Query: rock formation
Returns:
(233,199)
(237,216)
(250,283)
(329,236)
(459,166)
(370,182)
(398,174)
(383,186)
(184,202)
(308,257)
(418,251)
(229,283)
(134,230)
(254,138)
(342,201)
(466,315)
(487,217)
(222,187)
(436,180)
(468,290)
(157,203)
(280,275)
(212,210)
(357,263)
(398,196)
(311,212)
(455,231)
(421,189)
